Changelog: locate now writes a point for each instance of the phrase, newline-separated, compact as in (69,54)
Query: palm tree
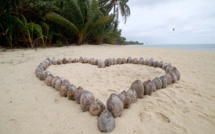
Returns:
(116,5)
(81,18)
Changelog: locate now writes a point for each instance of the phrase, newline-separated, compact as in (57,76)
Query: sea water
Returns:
(202,47)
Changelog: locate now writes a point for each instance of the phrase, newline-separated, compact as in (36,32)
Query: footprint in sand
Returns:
(162,117)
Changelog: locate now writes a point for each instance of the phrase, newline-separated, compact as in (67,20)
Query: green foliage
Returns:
(34,22)
(59,43)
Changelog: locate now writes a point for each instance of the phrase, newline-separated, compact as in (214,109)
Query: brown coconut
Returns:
(63,91)
(60,61)
(110,62)
(157,82)
(146,62)
(65,61)
(138,87)
(101,64)
(133,95)
(164,81)
(71,92)
(86,99)
(114,61)
(96,108)
(124,61)
(115,105)
(174,77)
(141,61)
(135,61)
(149,87)
(58,83)
(119,61)
(54,61)
(169,78)
(54,81)
(155,64)
(81,60)
(70,60)
(78,94)
(129,60)
(150,63)
(49,80)
(85,60)
(125,98)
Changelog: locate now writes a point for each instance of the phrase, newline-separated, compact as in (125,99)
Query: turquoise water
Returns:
(203,47)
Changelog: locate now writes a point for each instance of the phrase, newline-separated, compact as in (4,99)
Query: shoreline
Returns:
(28,105)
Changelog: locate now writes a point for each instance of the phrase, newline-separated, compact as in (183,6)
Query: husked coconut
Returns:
(58,83)
(96,108)
(138,87)
(49,80)
(54,61)
(86,60)
(106,122)
(169,78)
(63,91)
(132,93)
(78,94)
(164,81)
(150,63)
(115,105)
(59,61)
(146,62)
(86,99)
(155,64)
(174,77)
(101,64)
(135,61)
(124,61)
(125,98)
(114,61)
(65,61)
(81,60)
(129,60)
(119,61)
(157,82)
(70,60)
(141,61)
(54,81)
(71,92)
(148,87)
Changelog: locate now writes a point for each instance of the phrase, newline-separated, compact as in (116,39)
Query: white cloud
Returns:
(153,21)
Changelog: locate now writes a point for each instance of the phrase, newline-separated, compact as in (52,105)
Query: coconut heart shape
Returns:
(115,103)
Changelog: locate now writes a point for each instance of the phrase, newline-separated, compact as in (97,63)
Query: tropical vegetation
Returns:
(36,23)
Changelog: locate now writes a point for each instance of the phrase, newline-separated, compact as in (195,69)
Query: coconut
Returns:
(124,61)
(58,83)
(119,61)
(146,62)
(63,91)
(106,122)
(174,77)
(81,60)
(101,64)
(150,63)
(125,98)
(138,87)
(54,61)
(135,61)
(54,81)
(164,81)
(114,61)
(78,94)
(107,62)
(46,74)
(75,60)
(115,105)
(133,95)
(141,61)
(149,87)
(96,108)
(85,60)
(169,78)
(86,99)
(49,80)
(65,61)
(70,60)
(155,64)
(71,92)
(110,62)
(129,60)
(157,82)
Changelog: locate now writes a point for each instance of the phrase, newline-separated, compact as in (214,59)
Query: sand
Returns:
(28,106)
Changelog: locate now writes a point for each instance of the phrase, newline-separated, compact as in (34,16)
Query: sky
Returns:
(152,22)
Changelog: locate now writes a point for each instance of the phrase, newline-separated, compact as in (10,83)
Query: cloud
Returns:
(153,21)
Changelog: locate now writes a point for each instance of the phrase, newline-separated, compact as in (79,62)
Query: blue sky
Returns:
(152,21)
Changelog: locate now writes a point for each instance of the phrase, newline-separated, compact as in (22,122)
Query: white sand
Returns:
(28,106)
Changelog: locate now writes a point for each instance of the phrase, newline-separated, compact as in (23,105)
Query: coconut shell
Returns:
(101,64)
(141,61)
(129,60)
(115,105)
(135,61)
(110,62)
(133,95)
(155,64)
(146,62)
(138,87)
(169,78)
(65,61)
(78,94)
(150,63)
(63,91)
(124,61)
(119,61)
(114,61)
(149,87)
(164,81)
(81,60)
(58,83)
(86,60)
(54,81)
(49,80)
(71,92)
(96,108)
(70,60)
(174,77)
(86,99)
(125,98)
(106,122)
(54,61)
(75,60)
(157,82)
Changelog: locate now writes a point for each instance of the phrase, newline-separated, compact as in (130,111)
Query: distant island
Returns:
(131,43)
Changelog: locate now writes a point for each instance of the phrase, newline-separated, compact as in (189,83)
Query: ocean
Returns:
(203,47)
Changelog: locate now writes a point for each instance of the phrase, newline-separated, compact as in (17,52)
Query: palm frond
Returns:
(62,22)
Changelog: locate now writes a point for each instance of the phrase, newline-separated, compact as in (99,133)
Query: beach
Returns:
(29,106)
